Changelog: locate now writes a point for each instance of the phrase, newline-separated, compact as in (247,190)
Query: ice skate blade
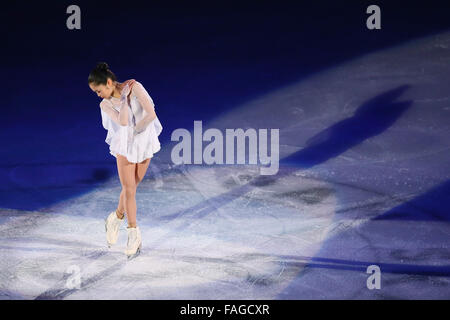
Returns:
(106,230)
(110,244)
(132,256)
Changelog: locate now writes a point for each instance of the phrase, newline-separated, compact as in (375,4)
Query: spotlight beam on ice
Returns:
(225,232)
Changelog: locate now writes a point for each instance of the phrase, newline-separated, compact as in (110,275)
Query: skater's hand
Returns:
(125,92)
(128,84)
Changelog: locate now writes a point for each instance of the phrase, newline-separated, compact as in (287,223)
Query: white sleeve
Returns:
(107,108)
(147,104)
(110,121)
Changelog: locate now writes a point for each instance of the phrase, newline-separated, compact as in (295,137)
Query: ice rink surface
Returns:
(363,180)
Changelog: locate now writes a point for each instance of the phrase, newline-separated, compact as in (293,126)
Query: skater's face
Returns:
(103,91)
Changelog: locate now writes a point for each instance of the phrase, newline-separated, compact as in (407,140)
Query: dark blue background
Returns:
(196,59)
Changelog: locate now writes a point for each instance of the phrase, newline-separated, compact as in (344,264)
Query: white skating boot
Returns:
(112,225)
(134,243)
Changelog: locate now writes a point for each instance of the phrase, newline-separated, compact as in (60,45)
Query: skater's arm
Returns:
(123,114)
(109,110)
(147,104)
(121,118)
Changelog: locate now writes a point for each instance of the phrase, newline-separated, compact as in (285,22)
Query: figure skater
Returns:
(128,115)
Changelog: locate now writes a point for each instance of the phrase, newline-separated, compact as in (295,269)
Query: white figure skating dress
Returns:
(139,140)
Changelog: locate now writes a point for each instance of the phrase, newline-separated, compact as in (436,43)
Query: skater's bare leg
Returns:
(127,176)
(120,211)
(129,182)
(141,169)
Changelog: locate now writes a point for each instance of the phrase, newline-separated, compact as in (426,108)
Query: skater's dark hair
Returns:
(100,74)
